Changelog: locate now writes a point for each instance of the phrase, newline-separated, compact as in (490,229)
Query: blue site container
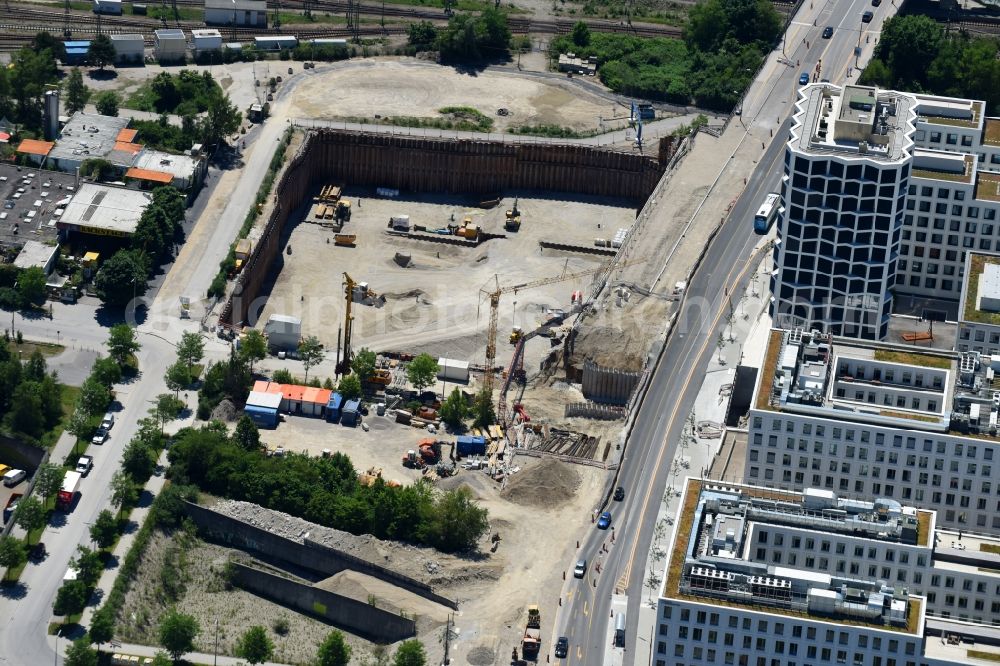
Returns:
(468,445)
(265,417)
(351,413)
(333,407)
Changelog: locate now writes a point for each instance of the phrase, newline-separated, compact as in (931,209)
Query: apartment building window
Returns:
(952,139)
(935,138)
(967,141)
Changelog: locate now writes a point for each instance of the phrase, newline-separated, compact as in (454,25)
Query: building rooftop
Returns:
(35,147)
(178,166)
(206,33)
(962,643)
(881,384)
(853,121)
(88,135)
(711,559)
(169,33)
(991,132)
(941,165)
(987,186)
(952,111)
(105,210)
(259,5)
(134,37)
(970,309)
(35,254)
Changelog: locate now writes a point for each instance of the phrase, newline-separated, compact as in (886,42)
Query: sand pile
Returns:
(225,411)
(546,484)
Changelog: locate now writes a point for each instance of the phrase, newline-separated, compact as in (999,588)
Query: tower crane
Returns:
(494,298)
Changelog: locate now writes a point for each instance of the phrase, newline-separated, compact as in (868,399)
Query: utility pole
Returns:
(66,31)
(447,639)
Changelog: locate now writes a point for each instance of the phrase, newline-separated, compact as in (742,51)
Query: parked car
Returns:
(803,78)
(867,17)
(828,32)
(100,436)
(108,421)
(85,464)
(619,494)
(876,3)
(580,569)
(604,522)
(12,477)
(562,647)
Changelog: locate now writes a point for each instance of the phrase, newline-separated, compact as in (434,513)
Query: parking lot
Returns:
(30,199)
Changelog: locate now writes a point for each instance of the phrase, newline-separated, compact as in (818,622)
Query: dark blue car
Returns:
(803,78)
(604,522)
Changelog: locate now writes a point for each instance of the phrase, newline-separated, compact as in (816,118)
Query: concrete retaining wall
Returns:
(310,555)
(356,616)
(421,164)
(608,385)
(591,410)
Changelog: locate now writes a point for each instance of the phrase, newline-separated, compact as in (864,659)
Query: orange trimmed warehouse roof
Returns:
(295,392)
(35,147)
(264,386)
(149,174)
(127,147)
(127,135)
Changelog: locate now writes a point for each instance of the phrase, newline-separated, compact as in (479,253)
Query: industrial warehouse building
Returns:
(104,210)
(250,13)
(170,45)
(297,399)
(206,41)
(35,254)
(129,49)
(90,136)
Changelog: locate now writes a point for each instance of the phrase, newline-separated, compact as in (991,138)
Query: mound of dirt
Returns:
(225,411)
(544,485)
(611,347)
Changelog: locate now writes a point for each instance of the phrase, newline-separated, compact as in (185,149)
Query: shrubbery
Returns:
(327,491)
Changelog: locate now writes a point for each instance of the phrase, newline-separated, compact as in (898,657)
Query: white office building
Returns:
(884,192)
(879,420)
(757,577)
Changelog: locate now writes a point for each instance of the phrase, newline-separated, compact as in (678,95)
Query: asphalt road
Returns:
(672,391)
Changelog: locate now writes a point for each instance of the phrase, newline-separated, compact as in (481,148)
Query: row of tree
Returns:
(916,54)
(30,396)
(467,37)
(21,287)
(325,491)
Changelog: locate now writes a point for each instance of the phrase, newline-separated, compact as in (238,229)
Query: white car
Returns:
(84,465)
(100,436)
(580,569)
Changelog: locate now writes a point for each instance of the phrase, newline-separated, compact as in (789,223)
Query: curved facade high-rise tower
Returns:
(847,167)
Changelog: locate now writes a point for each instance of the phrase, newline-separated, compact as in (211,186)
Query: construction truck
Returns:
(430,451)
(242,253)
(513,222)
(343,211)
(468,230)
(412,460)
(532,634)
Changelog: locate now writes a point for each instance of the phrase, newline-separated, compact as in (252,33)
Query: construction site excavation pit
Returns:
(427,285)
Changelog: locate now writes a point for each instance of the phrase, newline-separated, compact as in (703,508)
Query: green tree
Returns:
(89,565)
(410,653)
(177,633)
(138,460)
(102,625)
(107,371)
(26,415)
(122,278)
(77,92)
(422,371)
(246,436)
(48,480)
(908,45)
(122,344)
(255,646)
(47,41)
(282,376)
(311,353)
(79,653)
(191,349)
(12,553)
(71,598)
(30,514)
(422,35)
(107,103)
(31,285)
(165,90)
(454,409)
(349,387)
(178,377)
(124,491)
(94,397)
(363,364)
(162,659)
(581,34)
(457,522)
(253,347)
(221,120)
(78,424)
(334,650)
(101,53)
(31,72)
(104,530)
(482,410)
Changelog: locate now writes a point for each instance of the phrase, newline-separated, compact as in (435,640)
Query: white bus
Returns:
(768,210)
